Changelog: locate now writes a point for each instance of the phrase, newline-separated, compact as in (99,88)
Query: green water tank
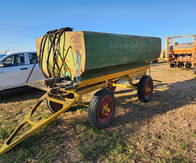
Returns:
(85,55)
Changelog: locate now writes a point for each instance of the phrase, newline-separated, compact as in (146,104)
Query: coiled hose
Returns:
(54,38)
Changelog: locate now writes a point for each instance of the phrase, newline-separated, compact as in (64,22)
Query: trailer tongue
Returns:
(77,63)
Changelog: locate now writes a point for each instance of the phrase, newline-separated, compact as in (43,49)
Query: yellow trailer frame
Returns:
(67,102)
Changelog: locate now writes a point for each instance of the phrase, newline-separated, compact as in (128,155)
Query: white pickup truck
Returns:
(15,68)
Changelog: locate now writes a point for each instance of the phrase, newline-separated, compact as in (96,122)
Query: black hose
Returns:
(53,38)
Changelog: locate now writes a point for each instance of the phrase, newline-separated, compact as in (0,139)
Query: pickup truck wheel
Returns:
(145,88)
(102,109)
(53,106)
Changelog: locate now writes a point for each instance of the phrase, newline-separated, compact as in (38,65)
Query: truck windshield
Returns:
(2,55)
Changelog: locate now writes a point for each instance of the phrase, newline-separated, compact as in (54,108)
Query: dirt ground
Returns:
(161,130)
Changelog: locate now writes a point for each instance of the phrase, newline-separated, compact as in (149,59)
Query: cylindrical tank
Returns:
(83,55)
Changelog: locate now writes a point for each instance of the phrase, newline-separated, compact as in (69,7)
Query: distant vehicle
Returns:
(15,68)
(181,51)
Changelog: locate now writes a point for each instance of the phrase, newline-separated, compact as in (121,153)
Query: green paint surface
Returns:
(106,50)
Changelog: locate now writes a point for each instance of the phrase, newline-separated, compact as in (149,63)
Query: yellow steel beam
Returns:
(182,36)
(132,73)
(90,88)
(123,86)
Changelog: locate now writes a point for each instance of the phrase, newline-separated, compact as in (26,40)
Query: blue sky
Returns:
(22,21)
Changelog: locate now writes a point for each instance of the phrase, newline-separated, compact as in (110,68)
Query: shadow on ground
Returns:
(20,94)
(176,95)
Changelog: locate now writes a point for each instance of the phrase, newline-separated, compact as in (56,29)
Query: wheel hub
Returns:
(105,110)
(148,89)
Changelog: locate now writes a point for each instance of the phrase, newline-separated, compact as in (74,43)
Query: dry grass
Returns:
(163,130)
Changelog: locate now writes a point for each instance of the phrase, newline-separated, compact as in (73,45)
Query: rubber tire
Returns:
(93,110)
(53,107)
(194,69)
(141,89)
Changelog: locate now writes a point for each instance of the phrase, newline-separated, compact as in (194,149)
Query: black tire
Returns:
(97,116)
(53,106)
(145,89)
(188,65)
(171,65)
(195,69)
